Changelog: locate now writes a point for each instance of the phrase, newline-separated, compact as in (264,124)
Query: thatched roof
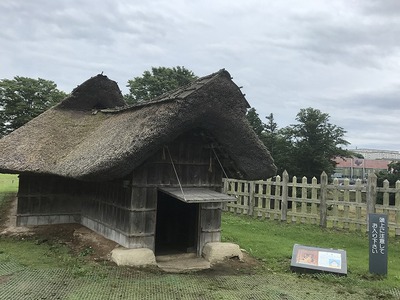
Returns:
(91,135)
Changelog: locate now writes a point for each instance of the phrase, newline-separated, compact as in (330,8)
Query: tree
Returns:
(315,143)
(392,174)
(156,82)
(279,145)
(22,99)
(255,122)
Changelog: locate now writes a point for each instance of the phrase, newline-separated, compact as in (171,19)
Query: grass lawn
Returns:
(269,241)
(8,183)
(8,188)
(272,242)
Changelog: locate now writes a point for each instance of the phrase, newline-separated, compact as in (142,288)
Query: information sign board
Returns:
(305,258)
(378,244)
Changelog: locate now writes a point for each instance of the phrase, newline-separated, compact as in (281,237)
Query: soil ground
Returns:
(96,248)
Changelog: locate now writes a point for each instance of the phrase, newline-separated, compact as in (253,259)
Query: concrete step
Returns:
(182,263)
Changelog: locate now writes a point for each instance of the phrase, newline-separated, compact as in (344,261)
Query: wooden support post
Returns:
(322,206)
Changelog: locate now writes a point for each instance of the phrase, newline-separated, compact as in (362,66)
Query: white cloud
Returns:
(338,56)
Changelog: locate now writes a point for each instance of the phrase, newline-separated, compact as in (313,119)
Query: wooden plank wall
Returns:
(125,210)
(196,166)
(106,209)
(47,200)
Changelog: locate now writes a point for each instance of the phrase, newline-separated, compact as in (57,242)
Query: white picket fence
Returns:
(328,205)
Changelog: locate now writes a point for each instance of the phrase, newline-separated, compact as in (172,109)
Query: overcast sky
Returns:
(342,57)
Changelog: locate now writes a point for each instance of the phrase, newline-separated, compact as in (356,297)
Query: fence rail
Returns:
(328,205)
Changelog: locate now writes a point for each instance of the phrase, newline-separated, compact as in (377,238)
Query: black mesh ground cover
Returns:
(17,282)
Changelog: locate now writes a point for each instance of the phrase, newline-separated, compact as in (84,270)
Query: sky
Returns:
(339,56)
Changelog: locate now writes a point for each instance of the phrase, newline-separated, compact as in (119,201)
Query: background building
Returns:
(378,154)
(355,168)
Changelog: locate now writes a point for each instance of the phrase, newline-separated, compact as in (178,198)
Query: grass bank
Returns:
(272,242)
(8,183)
(8,190)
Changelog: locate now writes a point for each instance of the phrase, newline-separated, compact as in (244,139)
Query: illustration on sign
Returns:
(330,260)
(309,257)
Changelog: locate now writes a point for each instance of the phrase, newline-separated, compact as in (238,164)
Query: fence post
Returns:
(251,198)
(322,205)
(314,196)
(226,187)
(303,199)
(294,197)
(397,205)
(277,196)
(371,195)
(285,181)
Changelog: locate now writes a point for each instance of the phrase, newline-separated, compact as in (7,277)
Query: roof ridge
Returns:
(172,95)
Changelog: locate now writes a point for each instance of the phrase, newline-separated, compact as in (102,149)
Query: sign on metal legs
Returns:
(378,244)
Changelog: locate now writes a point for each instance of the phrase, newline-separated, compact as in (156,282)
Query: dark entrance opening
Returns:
(176,227)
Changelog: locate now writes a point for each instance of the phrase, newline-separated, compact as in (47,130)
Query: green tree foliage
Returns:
(303,149)
(315,142)
(156,82)
(279,145)
(255,122)
(392,174)
(22,99)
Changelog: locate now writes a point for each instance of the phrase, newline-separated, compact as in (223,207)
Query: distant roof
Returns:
(93,135)
(360,163)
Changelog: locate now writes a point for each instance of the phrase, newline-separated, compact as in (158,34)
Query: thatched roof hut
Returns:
(93,136)
(93,160)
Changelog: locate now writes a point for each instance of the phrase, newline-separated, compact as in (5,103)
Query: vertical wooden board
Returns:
(137,222)
(115,216)
(153,173)
(105,212)
(23,205)
(23,185)
(139,198)
(208,237)
(139,176)
(134,195)
(150,222)
(179,151)
(167,173)
(120,219)
(47,205)
(151,198)
(33,204)
(127,197)
(210,219)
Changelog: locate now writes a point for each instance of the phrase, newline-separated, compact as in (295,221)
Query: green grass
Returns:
(8,189)
(272,242)
(269,241)
(8,183)
(36,253)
